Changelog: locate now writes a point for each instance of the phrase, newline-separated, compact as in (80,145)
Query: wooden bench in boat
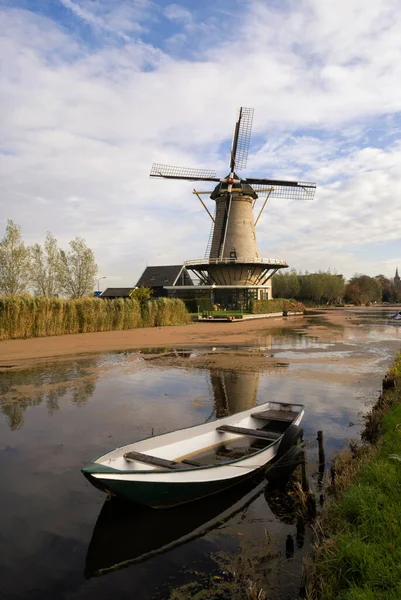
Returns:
(266,435)
(153,460)
(276,415)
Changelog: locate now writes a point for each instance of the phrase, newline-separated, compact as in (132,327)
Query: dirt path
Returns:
(16,354)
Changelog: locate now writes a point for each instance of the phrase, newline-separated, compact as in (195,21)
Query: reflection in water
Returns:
(47,384)
(121,535)
(230,391)
(233,392)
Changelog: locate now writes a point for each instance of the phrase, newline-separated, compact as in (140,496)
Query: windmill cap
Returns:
(221,188)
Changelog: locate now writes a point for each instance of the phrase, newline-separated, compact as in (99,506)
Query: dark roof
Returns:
(116,292)
(159,276)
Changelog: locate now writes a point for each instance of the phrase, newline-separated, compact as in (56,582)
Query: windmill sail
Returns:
(241,139)
(169,172)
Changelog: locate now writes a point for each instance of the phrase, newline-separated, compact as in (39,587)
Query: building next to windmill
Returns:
(232,272)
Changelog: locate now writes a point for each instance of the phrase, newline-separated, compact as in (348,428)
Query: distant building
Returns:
(163,279)
(111,293)
(397,279)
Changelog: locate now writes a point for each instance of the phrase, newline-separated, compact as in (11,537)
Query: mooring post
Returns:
(310,497)
(322,457)
(305,483)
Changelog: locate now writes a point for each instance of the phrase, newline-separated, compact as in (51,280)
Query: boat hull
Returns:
(165,494)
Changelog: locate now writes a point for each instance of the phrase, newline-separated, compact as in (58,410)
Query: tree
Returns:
(389,292)
(78,269)
(47,267)
(362,289)
(15,261)
(142,294)
(333,287)
(286,285)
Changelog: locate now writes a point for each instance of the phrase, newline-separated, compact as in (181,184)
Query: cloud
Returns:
(175,12)
(121,18)
(82,125)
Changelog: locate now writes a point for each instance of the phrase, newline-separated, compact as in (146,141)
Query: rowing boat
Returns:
(192,463)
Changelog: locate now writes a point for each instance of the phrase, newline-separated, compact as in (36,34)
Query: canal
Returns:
(59,538)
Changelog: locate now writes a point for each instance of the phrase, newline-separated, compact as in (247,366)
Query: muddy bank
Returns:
(23,353)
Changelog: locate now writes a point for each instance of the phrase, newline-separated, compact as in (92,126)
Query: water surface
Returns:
(57,417)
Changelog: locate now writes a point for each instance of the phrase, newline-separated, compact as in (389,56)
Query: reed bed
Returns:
(30,316)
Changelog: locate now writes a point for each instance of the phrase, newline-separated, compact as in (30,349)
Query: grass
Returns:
(358,556)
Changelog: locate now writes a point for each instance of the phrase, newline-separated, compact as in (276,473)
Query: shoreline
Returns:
(359,530)
(19,354)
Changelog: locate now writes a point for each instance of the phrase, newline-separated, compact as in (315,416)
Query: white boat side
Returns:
(184,443)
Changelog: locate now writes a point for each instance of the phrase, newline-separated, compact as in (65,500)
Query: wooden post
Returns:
(300,531)
(289,547)
(305,483)
(322,458)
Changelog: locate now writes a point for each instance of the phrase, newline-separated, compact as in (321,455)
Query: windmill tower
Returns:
(232,267)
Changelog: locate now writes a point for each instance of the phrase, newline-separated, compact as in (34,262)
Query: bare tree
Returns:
(47,267)
(78,269)
(15,261)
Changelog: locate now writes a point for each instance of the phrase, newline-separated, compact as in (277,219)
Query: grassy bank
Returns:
(28,316)
(358,555)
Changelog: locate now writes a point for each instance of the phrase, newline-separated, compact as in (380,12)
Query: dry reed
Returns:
(29,316)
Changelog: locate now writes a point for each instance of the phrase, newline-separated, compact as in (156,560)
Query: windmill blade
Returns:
(168,172)
(224,226)
(241,139)
(288,190)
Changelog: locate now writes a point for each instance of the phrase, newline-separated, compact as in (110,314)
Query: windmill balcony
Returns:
(229,261)
(245,272)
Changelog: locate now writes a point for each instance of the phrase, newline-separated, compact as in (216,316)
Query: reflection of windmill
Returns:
(233,391)
(232,263)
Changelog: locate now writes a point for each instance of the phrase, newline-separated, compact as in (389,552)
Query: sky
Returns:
(94,91)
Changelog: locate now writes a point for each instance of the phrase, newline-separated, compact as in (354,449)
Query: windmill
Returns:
(232,262)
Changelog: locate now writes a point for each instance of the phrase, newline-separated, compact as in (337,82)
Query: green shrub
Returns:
(262,307)
(204,304)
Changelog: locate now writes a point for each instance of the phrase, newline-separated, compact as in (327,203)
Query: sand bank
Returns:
(23,353)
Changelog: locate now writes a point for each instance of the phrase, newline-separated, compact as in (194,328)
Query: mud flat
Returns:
(25,353)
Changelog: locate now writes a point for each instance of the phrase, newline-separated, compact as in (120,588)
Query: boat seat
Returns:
(276,415)
(192,463)
(153,460)
(266,435)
